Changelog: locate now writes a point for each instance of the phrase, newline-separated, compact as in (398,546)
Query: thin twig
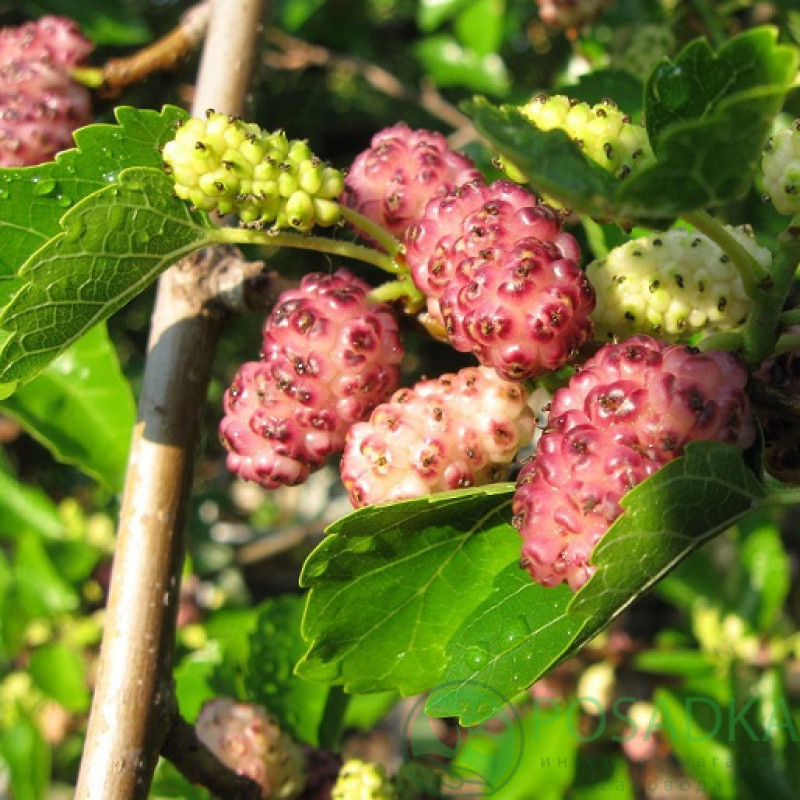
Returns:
(295,54)
(134,706)
(164,54)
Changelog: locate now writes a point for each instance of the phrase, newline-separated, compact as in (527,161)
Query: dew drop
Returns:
(43,187)
(63,200)
(3,194)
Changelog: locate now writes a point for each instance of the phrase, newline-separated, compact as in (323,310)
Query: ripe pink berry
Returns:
(393,179)
(502,278)
(632,408)
(249,741)
(328,358)
(459,430)
(40,104)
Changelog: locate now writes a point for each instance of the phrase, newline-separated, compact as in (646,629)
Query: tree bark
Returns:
(134,705)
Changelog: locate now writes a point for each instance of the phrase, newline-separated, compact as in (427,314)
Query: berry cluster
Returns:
(459,430)
(603,132)
(328,358)
(672,285)
(223,164)
(502,278)
(41,104)
(780,170)
(392,181)
(632,408)
(249,741)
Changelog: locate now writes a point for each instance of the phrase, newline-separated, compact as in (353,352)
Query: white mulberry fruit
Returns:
(632,408)
(250,742)
(671,285)
(780,170)
(458,430)
(328,358)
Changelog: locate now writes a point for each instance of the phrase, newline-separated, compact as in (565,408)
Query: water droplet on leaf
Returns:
(43,187)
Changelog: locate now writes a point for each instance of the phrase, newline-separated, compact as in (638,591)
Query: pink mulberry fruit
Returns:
(391,182)
(502,278)
(40,104)
(328,358)
(632,408)
(459,430)
(249,741)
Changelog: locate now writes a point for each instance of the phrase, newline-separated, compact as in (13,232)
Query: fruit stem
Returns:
(789,318)
(318,243)
(401,289)
(330,729)
(761,329)
(754,277)
(377,232)
(726,340)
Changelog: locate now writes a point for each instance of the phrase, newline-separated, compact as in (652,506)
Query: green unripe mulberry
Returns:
(362,780)
(672,285)
(222,164)
(603,132)
(780,170)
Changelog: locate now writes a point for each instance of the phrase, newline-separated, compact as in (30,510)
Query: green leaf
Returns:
(479,27)
(432,13)
(33,199)
(603,778)
(451,64)
(81,408)
(114,244)
(101,21)
(60,672)
(763,735)
(536,758)
(521,630)
(275,647)
(766,578)
(700,81)
(695,727)
(40,589)
(390,584)
(551,161)
(593,87)
(682,662)
(26,509)
(193,676)
(27,756)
